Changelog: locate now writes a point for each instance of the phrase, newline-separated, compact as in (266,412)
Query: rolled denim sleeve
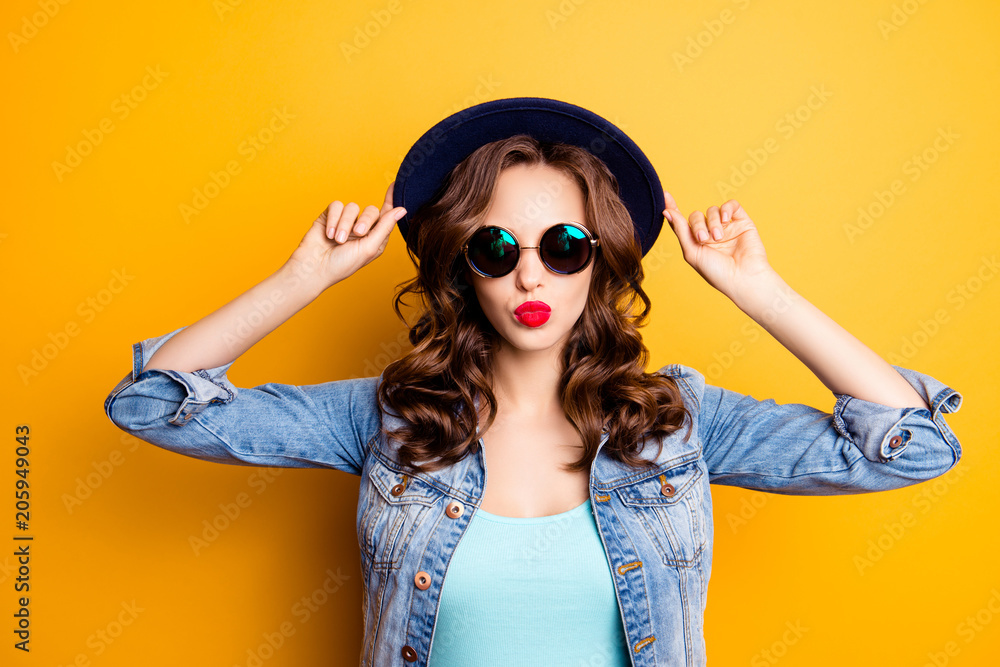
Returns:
(201,414)
(796,449)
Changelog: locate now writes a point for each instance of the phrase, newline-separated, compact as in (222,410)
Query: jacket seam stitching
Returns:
(861,457)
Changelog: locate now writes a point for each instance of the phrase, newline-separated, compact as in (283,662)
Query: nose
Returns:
(529,269)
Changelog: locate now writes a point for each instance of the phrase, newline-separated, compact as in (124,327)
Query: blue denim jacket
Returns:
(655,525)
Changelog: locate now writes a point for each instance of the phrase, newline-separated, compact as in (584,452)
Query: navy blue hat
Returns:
(444,146)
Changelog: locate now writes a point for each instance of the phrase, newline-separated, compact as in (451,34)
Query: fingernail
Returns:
(360,229)
(667,214)
(717,234)
(399,214)
(702,236)
(341,236)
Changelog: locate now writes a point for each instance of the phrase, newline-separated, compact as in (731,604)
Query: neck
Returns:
(526,382)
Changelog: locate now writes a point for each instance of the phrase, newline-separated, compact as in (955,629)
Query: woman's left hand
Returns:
(723,246)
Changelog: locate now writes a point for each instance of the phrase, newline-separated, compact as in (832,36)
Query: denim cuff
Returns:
(882,433)
(201,387)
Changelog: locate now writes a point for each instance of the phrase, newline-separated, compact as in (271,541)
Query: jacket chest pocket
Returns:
(670,507)
(392,509)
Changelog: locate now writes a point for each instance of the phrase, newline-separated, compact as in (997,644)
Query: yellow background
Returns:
(895,75)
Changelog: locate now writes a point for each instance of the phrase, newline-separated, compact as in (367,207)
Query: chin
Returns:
(530,340)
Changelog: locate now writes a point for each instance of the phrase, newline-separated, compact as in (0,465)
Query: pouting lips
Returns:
(532,306)
(533,318)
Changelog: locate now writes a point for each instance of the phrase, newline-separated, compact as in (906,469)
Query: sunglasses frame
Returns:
(594,243)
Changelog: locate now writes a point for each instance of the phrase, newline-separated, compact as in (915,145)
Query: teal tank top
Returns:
(529,591)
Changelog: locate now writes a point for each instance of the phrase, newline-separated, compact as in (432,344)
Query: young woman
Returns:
(591,543)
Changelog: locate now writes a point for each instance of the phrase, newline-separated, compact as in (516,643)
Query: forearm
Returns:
(223,335)
(842,362)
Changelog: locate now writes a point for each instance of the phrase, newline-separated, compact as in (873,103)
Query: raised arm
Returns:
(177,395)
(727,251)
(886,429)
(334,248)
(222,336)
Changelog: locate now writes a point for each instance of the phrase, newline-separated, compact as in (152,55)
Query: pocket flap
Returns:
(399,487)
(662,487)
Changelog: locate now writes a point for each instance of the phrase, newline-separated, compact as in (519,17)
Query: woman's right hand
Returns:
(339,242)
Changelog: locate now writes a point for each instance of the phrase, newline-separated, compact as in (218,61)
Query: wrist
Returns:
(764,296)
(295,276)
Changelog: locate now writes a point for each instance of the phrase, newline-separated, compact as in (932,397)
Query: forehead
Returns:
(532,198)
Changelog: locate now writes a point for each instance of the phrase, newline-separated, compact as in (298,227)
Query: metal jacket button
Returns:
(398,489)
(423,580)
(454,509)
(667,489)
(895,441)
(409,654)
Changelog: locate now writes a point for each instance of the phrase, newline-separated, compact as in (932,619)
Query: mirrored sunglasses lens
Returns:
(565,248)
(493,251)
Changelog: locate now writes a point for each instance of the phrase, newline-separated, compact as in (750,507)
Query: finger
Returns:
(345,222)
(383,227)
(699,229)
(669,201)
(714,223)
(672,212)
(683,231)
(368,216)
(332,214)
(387,204)
(730,210)
(388,207)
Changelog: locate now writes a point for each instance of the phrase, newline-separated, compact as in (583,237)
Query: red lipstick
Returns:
(533,313)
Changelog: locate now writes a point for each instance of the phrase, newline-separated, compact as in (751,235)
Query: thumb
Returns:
(682,229)
(379,234)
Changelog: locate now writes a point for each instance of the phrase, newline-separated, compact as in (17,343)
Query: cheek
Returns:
(487,294)
(583,291)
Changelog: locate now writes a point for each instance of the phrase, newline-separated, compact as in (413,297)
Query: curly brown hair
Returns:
(603,385)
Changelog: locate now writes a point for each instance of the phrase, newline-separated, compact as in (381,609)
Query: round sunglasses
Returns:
(565,248)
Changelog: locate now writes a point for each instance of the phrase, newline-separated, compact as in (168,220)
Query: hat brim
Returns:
(439,150)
